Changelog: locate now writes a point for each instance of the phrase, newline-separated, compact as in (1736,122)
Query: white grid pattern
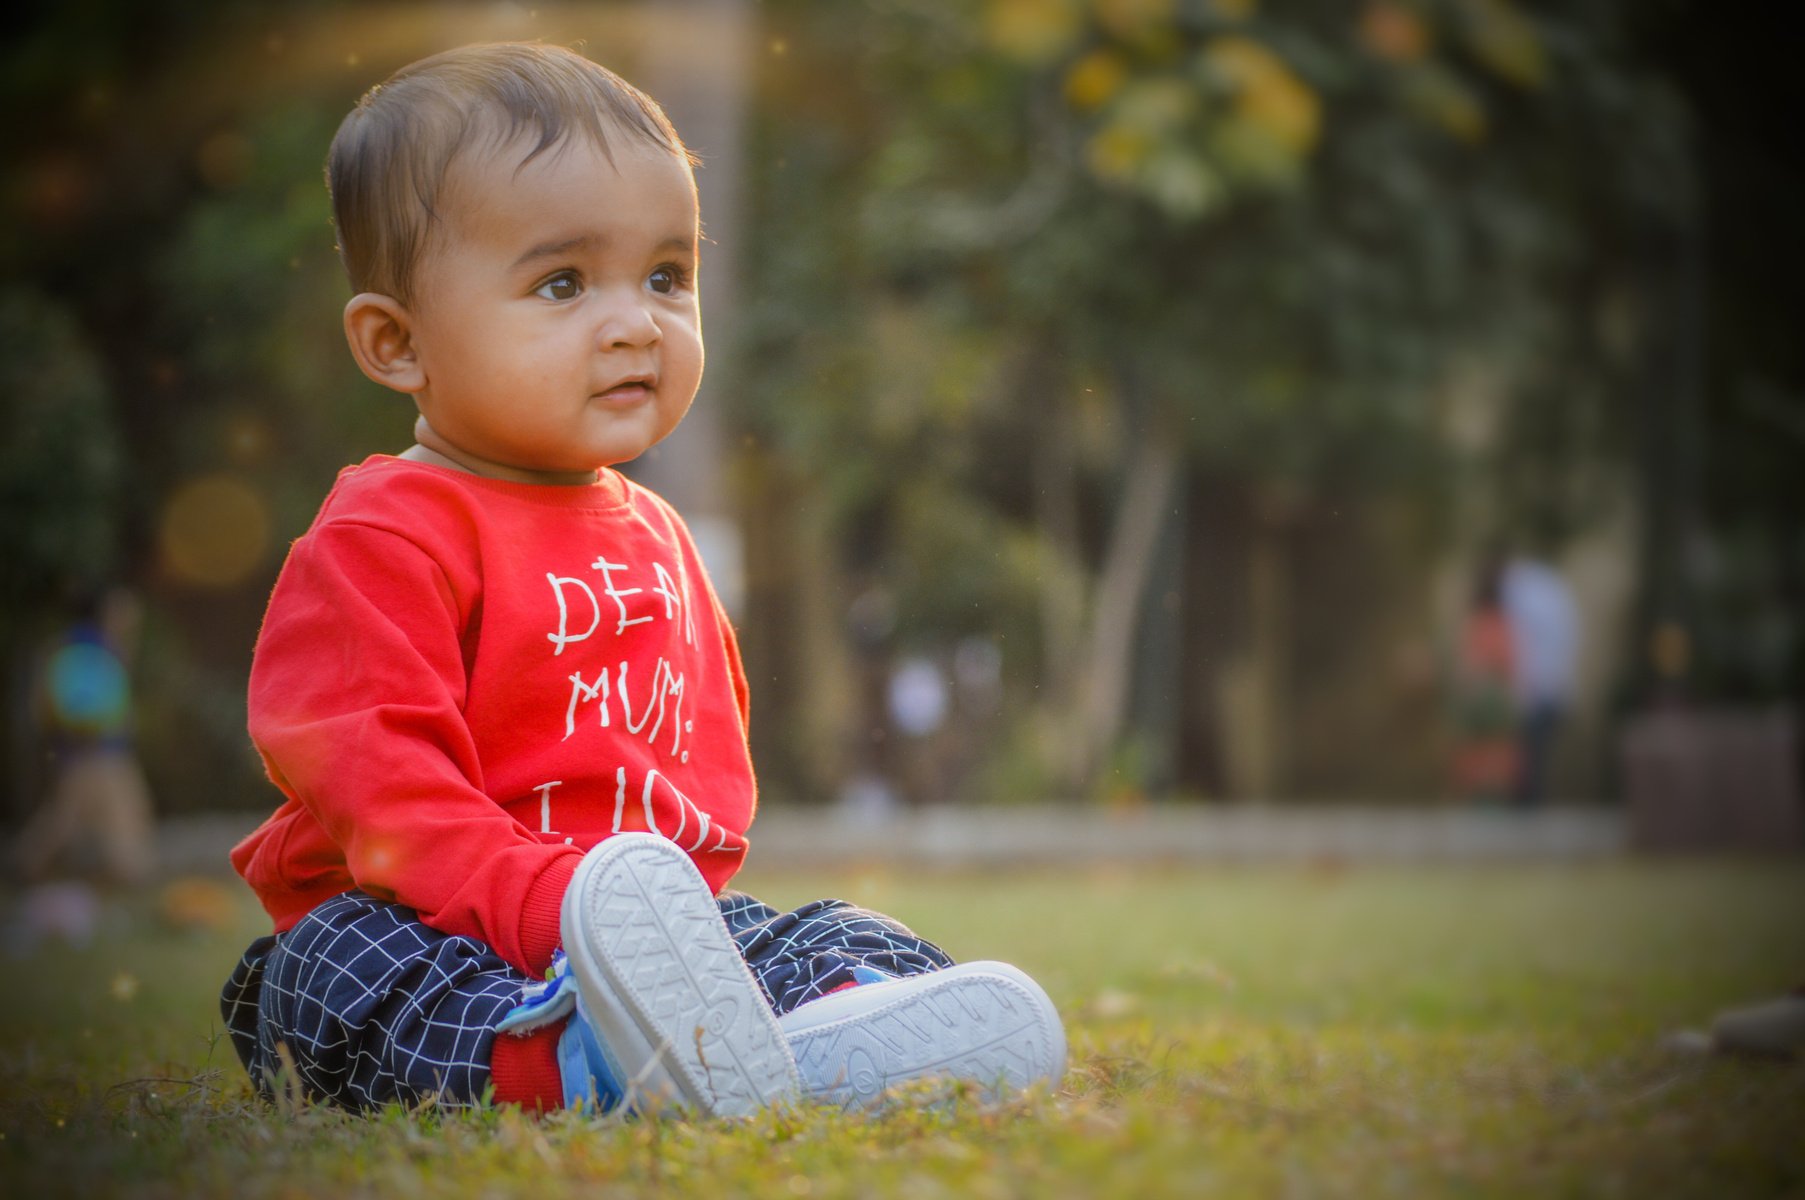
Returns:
(798,956)
(375,1007)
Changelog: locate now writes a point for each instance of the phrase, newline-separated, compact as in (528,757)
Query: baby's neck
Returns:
(426,454)
(436,451)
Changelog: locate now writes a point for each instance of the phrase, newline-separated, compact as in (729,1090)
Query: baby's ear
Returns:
(380,331)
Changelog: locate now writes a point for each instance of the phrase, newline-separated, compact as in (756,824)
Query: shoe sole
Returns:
(984,1022)
(665,987)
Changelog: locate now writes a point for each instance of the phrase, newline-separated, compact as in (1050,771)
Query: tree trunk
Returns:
(1105,674)
(1056,499)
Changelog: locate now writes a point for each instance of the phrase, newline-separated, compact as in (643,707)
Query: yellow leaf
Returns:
(1115,152)
(1094,78)
(1268,94)
(1034,31)
(1287,110)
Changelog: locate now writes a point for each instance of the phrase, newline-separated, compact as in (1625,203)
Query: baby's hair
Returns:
(389,161)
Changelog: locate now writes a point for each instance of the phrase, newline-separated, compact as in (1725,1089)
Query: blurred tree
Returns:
(169,215)
(59,470)
(1066,253)
(59,462)
(1071,326)
(1739,584)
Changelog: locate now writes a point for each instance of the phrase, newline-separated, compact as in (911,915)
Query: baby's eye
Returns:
(560,287)
(665,280)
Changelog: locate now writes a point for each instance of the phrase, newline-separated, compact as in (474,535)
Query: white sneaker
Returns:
(664,987)
(985,1022)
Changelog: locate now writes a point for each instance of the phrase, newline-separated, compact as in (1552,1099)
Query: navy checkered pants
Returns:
(370,1006)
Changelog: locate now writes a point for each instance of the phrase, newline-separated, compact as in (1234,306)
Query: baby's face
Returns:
(558,324)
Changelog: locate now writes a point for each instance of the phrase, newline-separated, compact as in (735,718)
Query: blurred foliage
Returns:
(1056,312)
(1743,586)
(1281,216)
(60,458)
(253,287)
(187,348)
(1023,252)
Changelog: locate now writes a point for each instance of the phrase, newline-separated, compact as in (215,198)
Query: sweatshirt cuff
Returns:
(524,1070)
(540,912)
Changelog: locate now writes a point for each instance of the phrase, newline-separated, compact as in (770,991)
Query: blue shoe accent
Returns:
(590,1077)
(864,974)
(541,1004)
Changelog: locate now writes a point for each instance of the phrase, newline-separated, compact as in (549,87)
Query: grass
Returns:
(1254,1031)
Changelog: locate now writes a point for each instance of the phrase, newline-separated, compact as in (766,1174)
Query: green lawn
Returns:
(1233,1031)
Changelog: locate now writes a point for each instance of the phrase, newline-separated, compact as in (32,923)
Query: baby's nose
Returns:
(627,324)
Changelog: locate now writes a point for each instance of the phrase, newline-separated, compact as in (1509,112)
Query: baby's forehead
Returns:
(512,189)
(491,149)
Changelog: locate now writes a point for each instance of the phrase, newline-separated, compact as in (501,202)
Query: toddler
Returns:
(502,703)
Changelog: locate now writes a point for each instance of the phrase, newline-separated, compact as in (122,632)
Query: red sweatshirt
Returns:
(464,683)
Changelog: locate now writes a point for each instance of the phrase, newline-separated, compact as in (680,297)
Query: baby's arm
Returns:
(356,704)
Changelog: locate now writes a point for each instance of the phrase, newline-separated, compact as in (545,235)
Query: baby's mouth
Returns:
(627,391)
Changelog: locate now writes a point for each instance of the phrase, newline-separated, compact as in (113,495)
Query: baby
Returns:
(499,696)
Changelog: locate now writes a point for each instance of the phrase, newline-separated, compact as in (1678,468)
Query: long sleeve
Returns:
(356,705)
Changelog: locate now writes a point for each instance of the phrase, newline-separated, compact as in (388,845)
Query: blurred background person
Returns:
(1544,639)
(1486,761)
(97,817)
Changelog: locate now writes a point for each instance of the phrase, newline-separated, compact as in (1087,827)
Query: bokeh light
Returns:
(214,531)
